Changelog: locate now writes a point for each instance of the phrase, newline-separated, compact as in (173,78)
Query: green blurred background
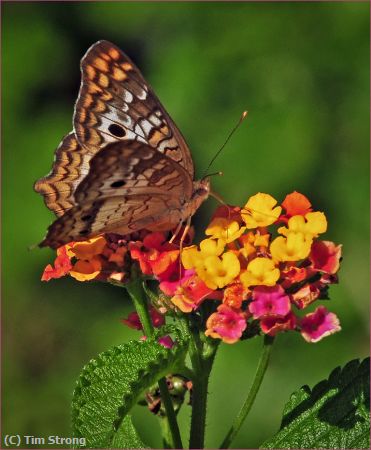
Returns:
(302,71)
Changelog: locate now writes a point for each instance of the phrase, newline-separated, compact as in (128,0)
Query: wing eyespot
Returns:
(117,130)
(118,183)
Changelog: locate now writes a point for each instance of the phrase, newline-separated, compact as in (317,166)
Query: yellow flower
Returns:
(217,272)
(260,211)
(223,228)
(261,240)
(260,271)
(292,248)
(311,225)
(210,247)
(192,257)
(316,223)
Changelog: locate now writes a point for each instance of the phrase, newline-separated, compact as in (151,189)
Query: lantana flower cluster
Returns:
(258,268)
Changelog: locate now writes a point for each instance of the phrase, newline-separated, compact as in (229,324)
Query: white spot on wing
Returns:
(142,95)
(155,120)
(128,96)
(138,130)
(147,126)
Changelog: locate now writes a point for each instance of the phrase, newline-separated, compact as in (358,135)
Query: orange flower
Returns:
(296,204)
(62,266)
(86,270)
(102,258)
(234,295)
(86,250)
(155,255)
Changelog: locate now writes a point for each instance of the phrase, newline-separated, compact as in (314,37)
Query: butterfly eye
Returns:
(200,192)
(117,184)
(116,130)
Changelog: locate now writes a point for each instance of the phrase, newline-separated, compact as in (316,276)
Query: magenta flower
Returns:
(133,321)
(269,301)
(320,323)
(165,341)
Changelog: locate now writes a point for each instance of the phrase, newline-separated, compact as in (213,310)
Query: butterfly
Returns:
(126,166)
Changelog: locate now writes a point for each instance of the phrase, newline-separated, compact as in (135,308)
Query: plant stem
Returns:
(259,375)
(137,294)
(202,362)
(199,399)
(165,431)
(139,299)
(170,414)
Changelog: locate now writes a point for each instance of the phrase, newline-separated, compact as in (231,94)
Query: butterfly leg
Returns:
(176,232)
(184,234)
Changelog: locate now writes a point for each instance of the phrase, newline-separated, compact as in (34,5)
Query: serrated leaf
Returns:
(109,386)
(334,414)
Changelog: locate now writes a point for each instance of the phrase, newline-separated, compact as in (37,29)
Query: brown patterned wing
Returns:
(71,165)
(115,103)
(130,186)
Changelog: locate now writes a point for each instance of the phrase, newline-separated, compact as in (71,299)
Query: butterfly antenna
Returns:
(241,119)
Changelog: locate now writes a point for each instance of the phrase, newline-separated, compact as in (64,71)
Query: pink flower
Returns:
(325,256)
(191,293)
(133,320)
(169,287)
(320,323)
(306,295)
(273,325)
(165,341)
(226,324)
(269,301)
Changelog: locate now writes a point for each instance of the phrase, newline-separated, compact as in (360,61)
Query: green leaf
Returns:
(334,414)
(127,436)
(110,385)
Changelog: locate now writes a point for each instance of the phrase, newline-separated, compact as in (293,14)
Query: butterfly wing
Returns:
(71,164)
(115,103)
(130,186)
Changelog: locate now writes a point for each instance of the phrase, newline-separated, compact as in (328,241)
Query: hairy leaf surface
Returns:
(334,414)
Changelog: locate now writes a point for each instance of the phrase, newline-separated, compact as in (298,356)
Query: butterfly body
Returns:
(126,166)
